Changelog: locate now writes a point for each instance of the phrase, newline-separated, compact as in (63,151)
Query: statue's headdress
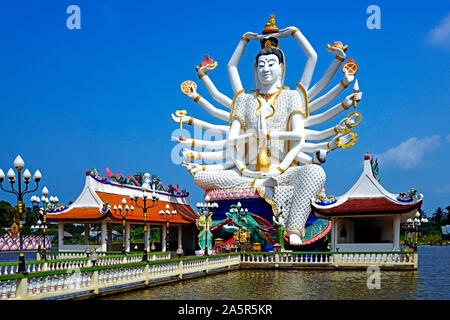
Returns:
(271,42)
(270,26)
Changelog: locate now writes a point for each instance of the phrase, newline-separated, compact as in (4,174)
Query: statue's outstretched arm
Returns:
(195,167)
(311,54)
(223,129)
(330,95)
(216,94)
(205,104)
(208,155)
(329,74)
(233,73)
(305,159)
(343,138)
(217,144)
(346,123)
(332,112)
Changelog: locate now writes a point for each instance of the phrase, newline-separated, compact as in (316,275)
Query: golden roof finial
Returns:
(270,26)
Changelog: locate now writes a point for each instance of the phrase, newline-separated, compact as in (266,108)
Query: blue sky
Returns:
(102,96)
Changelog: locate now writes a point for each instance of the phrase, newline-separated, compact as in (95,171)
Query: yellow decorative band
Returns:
(281,169)
(344,106)
(343,84)
(335,130)
(244,38)
(340,58)
(293,32)
(242,170)
(197,98)
(193,143)
(328,145)
(268,135)
(201,75)
(190,121)
(203,167)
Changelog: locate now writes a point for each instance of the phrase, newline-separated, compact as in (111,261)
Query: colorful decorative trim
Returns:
(231,194)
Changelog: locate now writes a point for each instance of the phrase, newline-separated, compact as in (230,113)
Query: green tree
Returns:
(7,212)
(438,217)
(447,215)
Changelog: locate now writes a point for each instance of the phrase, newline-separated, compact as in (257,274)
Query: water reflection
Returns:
(431,281)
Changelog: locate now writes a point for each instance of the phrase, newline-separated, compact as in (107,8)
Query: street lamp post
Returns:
(47,205)
(204,210)
(154,197)
(19,165)
(124,212)
(240,212)
(412,225)
(168,214)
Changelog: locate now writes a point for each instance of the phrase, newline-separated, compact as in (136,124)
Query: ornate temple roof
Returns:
(368,197)
(90,204)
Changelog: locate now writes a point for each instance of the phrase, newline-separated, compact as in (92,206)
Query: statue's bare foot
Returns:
(295,240)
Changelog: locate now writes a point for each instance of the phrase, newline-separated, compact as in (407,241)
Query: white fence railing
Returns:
(77,276)
(80,279)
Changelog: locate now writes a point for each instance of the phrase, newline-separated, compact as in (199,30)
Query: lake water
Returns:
(430,281)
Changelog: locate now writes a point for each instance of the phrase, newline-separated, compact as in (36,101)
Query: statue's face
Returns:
(269,69)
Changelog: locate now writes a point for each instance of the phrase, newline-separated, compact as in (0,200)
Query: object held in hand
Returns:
(350,66)
(186,87)
(181,113)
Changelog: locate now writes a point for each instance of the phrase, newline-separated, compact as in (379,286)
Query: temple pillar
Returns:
(60,236)
(109,242)
(333,233)
(127,237)
(104,236)
(147,238)
(180,236)
(396,233)
(163,238)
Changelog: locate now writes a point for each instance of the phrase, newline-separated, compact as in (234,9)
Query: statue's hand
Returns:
(251,36)
(188,154)
(207,68)
(337,51)
(348,78)
(193,94)
(343,139)
(192,167)
(320,156)
(284,33)
(349,122)
(269,174)
(175,118)
(349,98)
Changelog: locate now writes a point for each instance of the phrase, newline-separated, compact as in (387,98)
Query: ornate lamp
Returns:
(19,164)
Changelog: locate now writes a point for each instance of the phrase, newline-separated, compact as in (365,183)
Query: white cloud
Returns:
(440,35)
(409,153)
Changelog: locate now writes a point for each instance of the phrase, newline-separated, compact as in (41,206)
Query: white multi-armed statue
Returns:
(268,133)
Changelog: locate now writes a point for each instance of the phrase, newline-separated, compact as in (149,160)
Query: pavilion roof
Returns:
(368,197)
(90,205)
